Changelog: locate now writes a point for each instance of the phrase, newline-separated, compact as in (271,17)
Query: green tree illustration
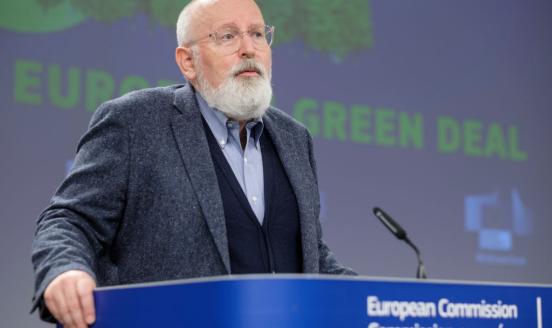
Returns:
(334,27)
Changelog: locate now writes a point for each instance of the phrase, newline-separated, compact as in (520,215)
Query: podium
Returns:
(322,301)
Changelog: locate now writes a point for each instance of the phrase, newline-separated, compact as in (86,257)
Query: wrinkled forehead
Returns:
(241,14)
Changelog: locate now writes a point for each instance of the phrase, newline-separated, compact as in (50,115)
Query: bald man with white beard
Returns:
(193,180)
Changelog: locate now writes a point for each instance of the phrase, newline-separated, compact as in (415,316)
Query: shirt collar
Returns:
(220,124)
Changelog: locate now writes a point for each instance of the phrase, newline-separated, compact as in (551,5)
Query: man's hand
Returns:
(69,299)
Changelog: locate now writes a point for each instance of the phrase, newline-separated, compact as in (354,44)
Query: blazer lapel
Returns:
(298,171)
(192,143)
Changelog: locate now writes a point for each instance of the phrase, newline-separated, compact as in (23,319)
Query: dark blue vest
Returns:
(274,246)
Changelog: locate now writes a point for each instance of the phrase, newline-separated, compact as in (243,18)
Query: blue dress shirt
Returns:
(246,163)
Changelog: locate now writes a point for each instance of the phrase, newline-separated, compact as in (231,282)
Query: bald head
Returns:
(199,16)
(186,20)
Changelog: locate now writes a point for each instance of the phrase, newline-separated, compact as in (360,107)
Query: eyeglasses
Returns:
(228,38)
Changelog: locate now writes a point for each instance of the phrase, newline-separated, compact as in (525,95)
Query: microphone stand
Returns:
(400,233)
(421,271)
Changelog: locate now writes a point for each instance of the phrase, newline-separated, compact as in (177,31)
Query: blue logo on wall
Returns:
(498,221)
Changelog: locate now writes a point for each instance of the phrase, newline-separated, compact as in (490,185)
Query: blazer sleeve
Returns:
(83,215)
(327,261)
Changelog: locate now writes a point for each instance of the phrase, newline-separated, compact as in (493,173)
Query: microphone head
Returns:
(387,221)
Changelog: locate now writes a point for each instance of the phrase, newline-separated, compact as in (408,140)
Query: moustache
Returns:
(248,65)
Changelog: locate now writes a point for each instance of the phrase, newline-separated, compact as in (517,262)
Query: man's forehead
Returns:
(223,13)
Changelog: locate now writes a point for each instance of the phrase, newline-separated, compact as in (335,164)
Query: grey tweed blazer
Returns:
(142,201)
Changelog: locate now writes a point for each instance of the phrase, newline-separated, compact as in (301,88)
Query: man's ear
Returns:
(184,60)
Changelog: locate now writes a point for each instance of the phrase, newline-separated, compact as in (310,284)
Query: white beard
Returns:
(238,98)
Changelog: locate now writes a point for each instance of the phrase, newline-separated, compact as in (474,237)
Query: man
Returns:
(196,180)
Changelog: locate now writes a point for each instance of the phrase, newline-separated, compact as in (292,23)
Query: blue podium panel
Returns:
(322,301)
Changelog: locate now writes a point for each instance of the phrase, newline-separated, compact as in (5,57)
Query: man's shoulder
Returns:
(139,105)
(144,98)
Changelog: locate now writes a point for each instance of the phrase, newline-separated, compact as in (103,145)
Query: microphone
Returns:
(400,233)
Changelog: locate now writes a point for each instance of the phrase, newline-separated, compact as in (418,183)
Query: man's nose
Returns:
(247,48)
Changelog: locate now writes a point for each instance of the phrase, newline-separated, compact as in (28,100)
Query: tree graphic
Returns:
(334,27)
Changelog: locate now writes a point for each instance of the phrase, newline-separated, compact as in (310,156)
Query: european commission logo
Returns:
(498,219)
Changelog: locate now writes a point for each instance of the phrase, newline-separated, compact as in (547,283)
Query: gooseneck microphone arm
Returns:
(421,271)
(400,233)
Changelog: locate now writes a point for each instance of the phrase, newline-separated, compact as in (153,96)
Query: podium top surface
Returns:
(323,301)
(320,277)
